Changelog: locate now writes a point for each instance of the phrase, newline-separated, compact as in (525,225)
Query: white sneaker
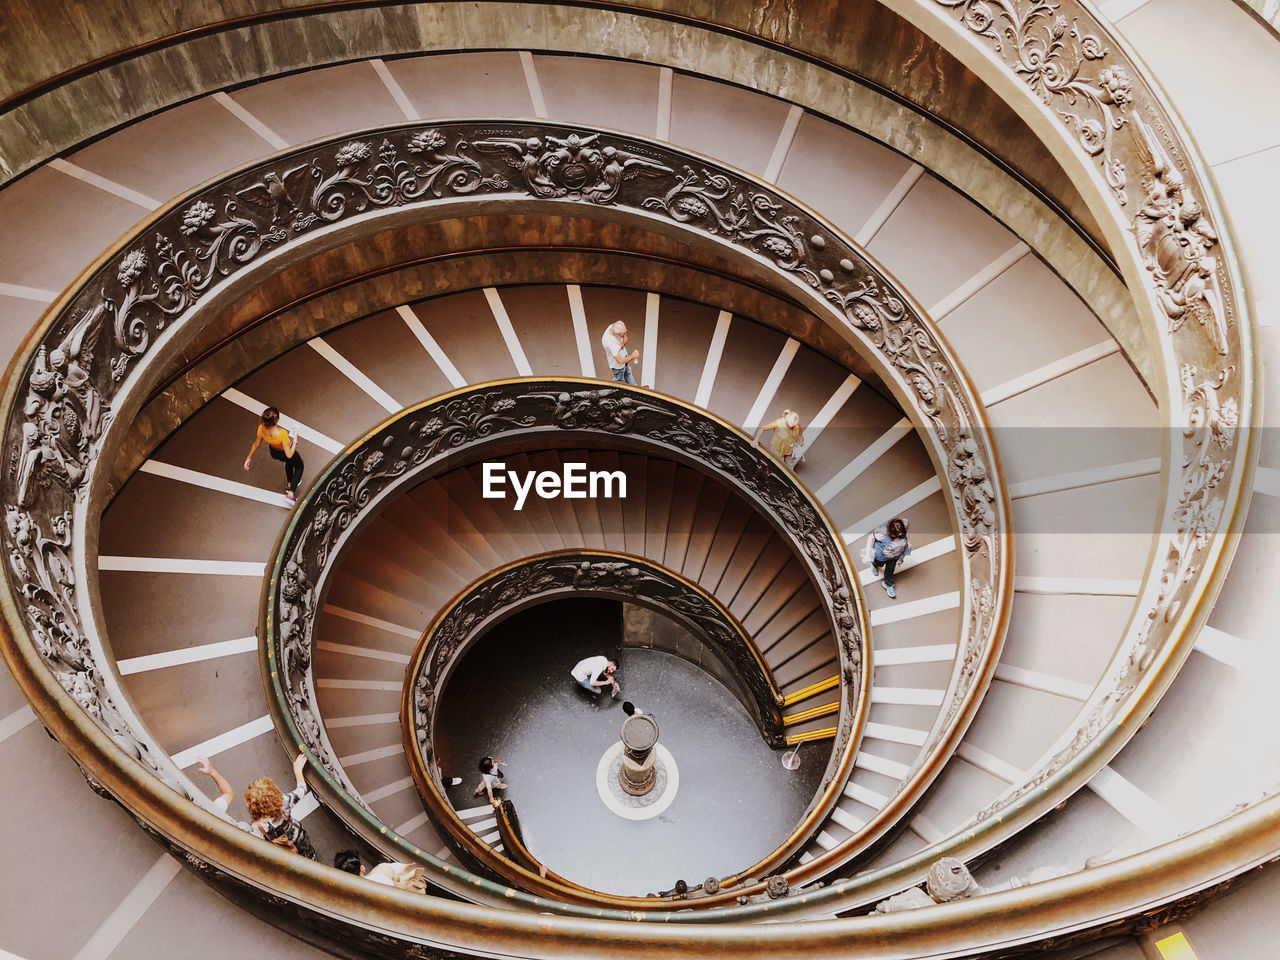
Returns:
(893,594)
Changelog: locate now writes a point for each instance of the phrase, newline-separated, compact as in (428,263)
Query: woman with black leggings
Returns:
(283,446)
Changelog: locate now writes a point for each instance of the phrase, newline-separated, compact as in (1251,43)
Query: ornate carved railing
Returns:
(564,573)
(90,363)
(468,425)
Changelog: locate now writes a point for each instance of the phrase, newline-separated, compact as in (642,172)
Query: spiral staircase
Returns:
(971,218)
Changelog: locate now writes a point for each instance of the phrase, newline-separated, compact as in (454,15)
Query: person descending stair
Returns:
(269,808)
(282,444)
(788,437)
(890,546)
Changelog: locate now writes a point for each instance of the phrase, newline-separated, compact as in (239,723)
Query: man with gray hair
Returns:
(614,342)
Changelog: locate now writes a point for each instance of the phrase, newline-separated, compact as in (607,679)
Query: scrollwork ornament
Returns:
(898,335)
(1049,52)
(721,206)
(981,613)
(455,173)
(392,180)
(1209,435)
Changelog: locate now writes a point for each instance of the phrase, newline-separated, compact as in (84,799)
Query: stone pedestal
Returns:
(638,772)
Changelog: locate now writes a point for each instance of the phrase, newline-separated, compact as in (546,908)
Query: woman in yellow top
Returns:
(788,437)
(283,446)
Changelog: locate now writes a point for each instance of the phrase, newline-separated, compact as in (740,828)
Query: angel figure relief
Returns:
(65,414)
(619,165)
(1175,238)
(523,154)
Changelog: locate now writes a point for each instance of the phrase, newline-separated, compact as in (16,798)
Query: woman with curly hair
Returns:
(890,546)
(269,808)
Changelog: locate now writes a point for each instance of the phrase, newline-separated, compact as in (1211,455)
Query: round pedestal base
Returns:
(638,779)
(649,805)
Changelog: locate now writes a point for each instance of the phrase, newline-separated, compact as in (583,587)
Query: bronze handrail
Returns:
(504,812)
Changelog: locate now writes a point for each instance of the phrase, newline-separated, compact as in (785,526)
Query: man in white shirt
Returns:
(594,674)
(614,342)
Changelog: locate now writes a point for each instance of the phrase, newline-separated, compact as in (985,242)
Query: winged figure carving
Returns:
(1175,238)
(273,195)
(522,154)
(572,166)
